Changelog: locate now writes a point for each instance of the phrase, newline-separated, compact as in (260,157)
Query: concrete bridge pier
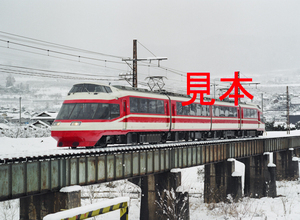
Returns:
(159,193)
(38,206)
(216,181)
(287,169)
(260,176)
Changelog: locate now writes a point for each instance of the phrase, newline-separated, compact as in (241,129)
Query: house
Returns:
(39,124)
(45,117)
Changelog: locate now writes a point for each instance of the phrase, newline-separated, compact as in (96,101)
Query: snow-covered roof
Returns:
(41,123)
(45,115)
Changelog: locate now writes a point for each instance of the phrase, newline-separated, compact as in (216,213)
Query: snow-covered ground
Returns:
(285,206)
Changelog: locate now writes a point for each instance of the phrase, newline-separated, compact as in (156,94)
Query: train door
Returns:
(168,113)
(125,111)
(173,116)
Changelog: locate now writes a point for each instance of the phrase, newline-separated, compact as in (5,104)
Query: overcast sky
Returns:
(220,37)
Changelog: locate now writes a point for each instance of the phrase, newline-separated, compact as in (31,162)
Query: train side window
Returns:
(160,107)
(103,112)
(235,112)
(198,110)
(133,105)
(186,110)
(193,109)
(179,108)
(217,111)
(203,110)
(152,106)
(245,113)
(143,105)
(222,111)
(114,111)
(231,112)
(98,89)
(107,89)
(207,110)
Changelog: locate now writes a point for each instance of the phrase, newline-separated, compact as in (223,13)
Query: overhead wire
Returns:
(63,46)
(50,52)
(39,74)
(51,71)
(62,58)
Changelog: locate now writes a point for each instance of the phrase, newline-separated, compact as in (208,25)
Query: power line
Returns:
(64,59)
(60,45)
(38,74)
(49,52)
(51,71)
(58,52)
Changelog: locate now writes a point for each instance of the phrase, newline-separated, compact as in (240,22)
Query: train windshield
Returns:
(88,111)
(85,87)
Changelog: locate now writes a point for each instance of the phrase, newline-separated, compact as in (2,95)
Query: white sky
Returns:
(216,36)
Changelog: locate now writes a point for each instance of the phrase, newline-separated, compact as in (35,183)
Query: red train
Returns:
(96,115)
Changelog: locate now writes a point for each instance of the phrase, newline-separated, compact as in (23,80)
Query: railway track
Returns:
(111,149)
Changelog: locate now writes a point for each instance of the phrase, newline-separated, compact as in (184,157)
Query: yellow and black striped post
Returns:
(123,206)
(66,215)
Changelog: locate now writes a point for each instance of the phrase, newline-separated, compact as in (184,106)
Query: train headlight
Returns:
(57,123)
(75,123)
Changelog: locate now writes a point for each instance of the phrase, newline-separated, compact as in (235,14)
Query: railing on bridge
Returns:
(36,175)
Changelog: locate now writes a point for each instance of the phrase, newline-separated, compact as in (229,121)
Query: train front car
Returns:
(89,112)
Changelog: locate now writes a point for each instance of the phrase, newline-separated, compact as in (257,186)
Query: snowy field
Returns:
(285,206)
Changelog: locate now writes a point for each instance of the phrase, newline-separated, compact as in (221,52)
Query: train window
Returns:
(140,105)
(207,110)
(85,87)
(216,111)
(226,111)
(160,107)
(143,105)
(77,111)
(114,111)
(98,89)
(179,108)
(204,110)
(198,110)
(152,106)
(232,112)
(235,112)
(250,113)
(65,111)
(222,111)
(107,89)
(186,110)
(89,111)
(103,112)
(193,109)
(133,105)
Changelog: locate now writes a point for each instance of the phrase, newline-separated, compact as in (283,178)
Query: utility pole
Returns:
(20,110)
(134,65)
(287,111)
(262,103)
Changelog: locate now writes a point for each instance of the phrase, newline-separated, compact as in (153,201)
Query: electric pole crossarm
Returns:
(135,60)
